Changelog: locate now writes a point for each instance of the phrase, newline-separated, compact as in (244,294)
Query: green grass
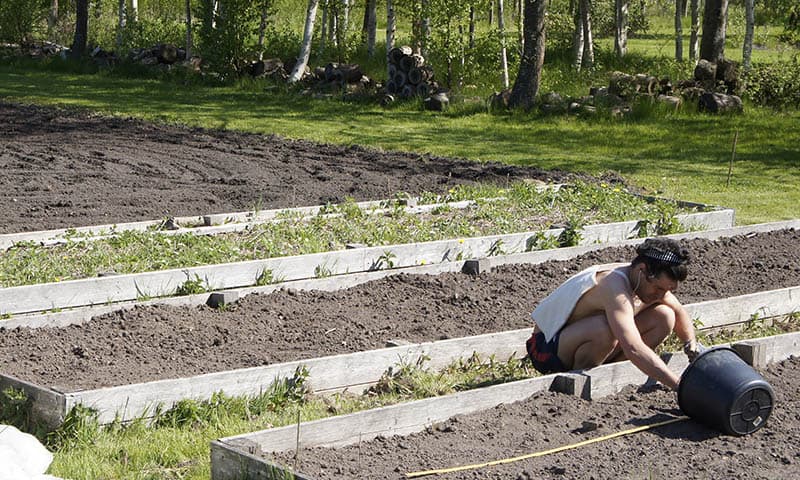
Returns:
(677,154)
(522,208)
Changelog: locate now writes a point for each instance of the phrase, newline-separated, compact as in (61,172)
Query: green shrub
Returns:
(20,19)
(774,84)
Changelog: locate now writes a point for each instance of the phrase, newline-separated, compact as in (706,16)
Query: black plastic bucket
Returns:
(722,391)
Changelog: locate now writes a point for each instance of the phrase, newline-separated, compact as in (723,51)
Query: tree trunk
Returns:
(390,27)
(426,27)
(121,22)
(715,16)
(678,30)
(305,49)
(520,34)
(370,25)
(189,38)
(750,20)
(81,28)
(323,36)
(262,27)
(134,15)
(621,31)
(52,19)
(577,37)
(501,25)
(472,27)
(693,40)
(588,43)
(526,86)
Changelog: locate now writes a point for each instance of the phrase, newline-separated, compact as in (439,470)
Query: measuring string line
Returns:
(545,452)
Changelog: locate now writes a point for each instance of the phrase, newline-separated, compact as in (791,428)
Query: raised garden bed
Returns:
(119,288)
(143,344)
(517,418)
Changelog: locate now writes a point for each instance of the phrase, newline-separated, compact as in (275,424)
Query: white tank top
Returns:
(553,312)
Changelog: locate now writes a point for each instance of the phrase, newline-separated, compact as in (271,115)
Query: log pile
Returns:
(163,53)
(408,76)
(623,90)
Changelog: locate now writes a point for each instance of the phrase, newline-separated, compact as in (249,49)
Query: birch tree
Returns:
(694,7)
(621,9)
(526,85)
(390,26)
(584,48)
(501,25)
(52,19)
(305,48)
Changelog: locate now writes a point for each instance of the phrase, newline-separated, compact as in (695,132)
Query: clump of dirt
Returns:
(67,168)
(548,420)
(159,342)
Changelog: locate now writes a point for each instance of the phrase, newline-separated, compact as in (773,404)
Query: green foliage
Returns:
(146,32)
(192,286)
(80,428)
(20,20)
(281,394)
(15,408)
(228,47)
(774,84)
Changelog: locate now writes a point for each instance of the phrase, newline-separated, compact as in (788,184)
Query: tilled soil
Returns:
(64,168)
(158,342)
(546,420)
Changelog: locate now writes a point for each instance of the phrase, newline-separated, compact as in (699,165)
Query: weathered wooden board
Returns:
(356,371)
(121,288)
(415,416)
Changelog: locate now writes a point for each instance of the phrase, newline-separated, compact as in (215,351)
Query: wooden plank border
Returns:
(357,371)
(235,456)
(82,314)
(122,288)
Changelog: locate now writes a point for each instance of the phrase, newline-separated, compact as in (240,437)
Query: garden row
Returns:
(355,371)
(164,266)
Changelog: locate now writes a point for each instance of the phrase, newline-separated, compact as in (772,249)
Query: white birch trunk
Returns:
(750,21)
(305,49)
(577,37)
(345,20)
(134,15)
(426,26)
(501,25)
(390,26)
(471,27)
(679,30)
(621,9)
(588,45)
(121,22)
(694,39)
(323,36)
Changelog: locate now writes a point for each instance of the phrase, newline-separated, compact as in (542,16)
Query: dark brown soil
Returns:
(149,343)
(69,168)
(64,168)
(685,450)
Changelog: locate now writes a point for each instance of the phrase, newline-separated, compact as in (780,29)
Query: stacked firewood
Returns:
(163,53)
(407,74)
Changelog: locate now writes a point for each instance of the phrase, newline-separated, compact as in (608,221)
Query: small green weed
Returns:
(192,286)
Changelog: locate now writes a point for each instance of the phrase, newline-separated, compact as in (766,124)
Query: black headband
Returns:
(663,256)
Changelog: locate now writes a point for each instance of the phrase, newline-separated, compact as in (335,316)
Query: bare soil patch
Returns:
(158,342)
(547,420)
(66,168)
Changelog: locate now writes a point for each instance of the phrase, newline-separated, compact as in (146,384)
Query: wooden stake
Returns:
(733,155)
(297,441)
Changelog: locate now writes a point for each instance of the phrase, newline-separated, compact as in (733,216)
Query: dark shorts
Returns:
(544,355)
